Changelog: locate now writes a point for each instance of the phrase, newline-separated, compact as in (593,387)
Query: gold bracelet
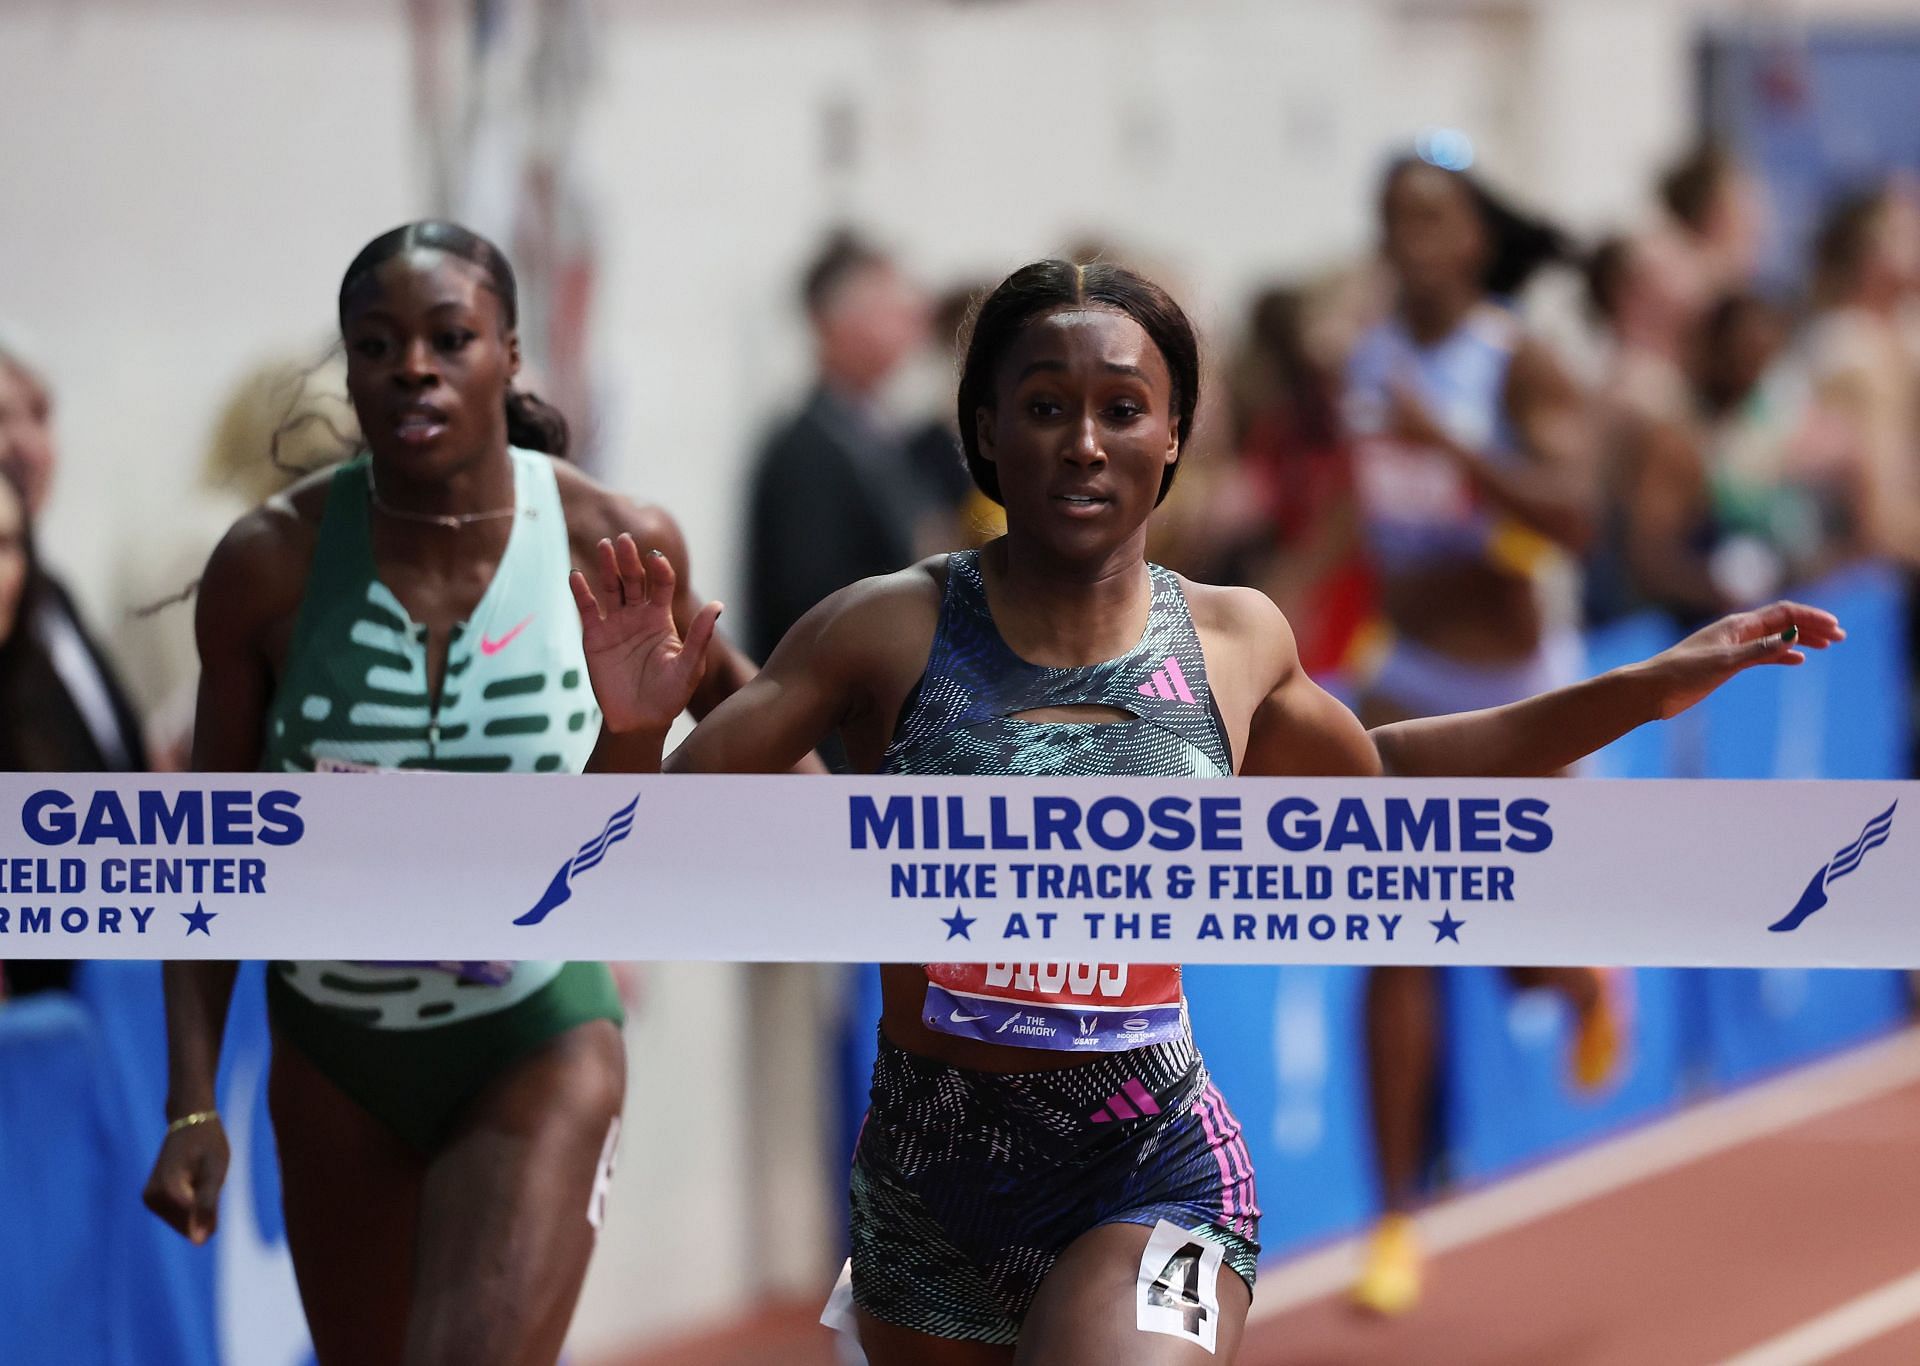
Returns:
(188,1121)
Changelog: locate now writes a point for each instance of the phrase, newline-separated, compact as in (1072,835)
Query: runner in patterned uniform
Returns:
(1015,1199)
(445,1129)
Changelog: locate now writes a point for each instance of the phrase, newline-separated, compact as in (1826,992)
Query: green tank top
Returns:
(514,698)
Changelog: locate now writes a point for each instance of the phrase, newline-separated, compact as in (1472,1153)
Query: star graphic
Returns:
(197,919)
(1446,927)
(958,923)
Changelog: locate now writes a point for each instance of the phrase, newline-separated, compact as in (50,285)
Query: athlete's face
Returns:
(1082,429)
(13,557)
(429,359)
(1434,237)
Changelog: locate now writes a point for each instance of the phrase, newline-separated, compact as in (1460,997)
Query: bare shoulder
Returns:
(595,513)
(878,626)
(257,574)
(906,601)
(1245,635)
(1241,614)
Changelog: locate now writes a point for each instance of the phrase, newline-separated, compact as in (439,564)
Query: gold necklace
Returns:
(452,521)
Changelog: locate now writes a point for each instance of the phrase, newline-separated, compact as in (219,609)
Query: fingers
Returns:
(628,577)
(1776,647)
(162,1202)
(204,1217)
(634,570)
(700,634)
(606,568)
(170,1195)
(1814,628)
(660,577)
(584,599)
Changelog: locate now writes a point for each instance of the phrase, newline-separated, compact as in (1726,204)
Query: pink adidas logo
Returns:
(1168,683)
(1117,1106)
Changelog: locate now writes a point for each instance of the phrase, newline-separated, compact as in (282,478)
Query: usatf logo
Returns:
(1871,837)
(561,888)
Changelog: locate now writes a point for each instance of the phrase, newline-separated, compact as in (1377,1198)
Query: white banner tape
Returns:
(1019,870)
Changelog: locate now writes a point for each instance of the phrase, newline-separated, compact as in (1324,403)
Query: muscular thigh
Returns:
(1088,1309)
(350,1189)
(509,1208)
(887,1344)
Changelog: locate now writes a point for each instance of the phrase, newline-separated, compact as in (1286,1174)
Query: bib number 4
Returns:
(1179,1285)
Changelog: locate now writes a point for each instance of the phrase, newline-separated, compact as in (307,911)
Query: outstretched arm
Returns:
(1542,735)
(1299,730)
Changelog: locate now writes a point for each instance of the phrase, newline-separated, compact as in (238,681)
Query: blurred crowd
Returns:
(1449,455)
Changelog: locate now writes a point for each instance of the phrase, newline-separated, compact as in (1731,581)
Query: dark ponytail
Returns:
(532,423)
(1518,244)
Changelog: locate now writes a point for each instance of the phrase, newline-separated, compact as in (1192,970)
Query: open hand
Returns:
(643,673)
(1775,634)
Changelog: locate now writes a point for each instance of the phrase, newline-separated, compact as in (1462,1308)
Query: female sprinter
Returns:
(1006,1196)
(1477,483)
(442,1127)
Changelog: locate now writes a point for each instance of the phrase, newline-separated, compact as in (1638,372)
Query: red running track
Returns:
(1779,1226)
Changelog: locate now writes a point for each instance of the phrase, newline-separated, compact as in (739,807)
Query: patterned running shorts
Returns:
(967,1186)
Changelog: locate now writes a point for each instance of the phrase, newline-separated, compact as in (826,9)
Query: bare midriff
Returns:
(1467,610)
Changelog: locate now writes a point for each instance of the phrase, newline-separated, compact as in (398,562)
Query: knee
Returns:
(599,1083)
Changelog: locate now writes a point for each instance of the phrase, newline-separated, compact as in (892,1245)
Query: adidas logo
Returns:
(1132,1101)
(1168,683)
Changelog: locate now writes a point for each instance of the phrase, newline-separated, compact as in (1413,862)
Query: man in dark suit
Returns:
(835,495)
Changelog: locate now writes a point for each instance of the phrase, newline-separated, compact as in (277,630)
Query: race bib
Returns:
(1412,485)
(326,763)
(484,974)
(1075,1007)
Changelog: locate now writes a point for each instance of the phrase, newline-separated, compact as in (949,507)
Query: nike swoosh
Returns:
(958,1018)
(494,647)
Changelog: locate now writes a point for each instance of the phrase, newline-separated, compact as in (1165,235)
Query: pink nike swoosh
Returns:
(494,647)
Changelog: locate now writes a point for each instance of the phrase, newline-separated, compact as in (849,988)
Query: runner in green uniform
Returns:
(445,1129)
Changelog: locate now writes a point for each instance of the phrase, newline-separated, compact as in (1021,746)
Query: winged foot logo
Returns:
(1872,836)
(560,890)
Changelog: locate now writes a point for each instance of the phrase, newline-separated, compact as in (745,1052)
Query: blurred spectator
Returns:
(1708,241)
(1653,542)
(834,496)
(286,417)
(1770,529)
(40,730)
(1864,387)
(961,514)
(1296,477)
(86,694)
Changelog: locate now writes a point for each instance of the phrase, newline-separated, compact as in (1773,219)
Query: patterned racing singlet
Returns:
(354,699)
(962,718)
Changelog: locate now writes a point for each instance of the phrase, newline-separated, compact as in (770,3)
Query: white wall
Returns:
(181,182)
